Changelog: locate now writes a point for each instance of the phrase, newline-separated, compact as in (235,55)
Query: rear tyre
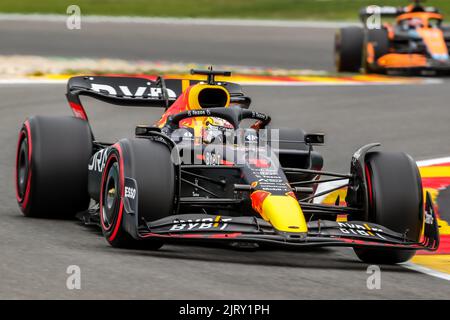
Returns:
(149,163)
(395,202)
(378,46)
(348,48)
(51,166)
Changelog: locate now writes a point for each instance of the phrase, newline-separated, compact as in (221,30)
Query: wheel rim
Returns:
(111,195)
(23,168)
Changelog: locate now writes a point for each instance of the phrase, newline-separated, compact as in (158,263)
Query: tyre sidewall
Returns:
(113,232)
(59,150)
(396,203)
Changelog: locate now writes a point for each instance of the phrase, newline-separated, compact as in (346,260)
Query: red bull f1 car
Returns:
(199,174)
(416,42)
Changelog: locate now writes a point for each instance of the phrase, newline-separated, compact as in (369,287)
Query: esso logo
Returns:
(130,192)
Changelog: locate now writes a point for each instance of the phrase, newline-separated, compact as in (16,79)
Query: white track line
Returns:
(181,21)
(428,271)
(430,162)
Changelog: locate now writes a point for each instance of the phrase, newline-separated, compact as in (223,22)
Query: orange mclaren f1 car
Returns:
(416,43)
(201,174)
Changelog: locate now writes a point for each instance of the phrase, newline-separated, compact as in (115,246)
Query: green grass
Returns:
(261,9)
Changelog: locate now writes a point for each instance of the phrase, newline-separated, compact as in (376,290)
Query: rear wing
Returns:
(134,91)
(389,11)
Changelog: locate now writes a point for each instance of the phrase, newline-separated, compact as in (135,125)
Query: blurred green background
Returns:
(262,9)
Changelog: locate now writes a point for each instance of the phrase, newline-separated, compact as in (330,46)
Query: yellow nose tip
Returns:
(284,213)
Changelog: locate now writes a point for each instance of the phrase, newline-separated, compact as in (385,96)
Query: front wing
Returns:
(210,228)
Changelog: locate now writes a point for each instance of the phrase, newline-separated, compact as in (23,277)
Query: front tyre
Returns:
(348,48)
(395,202)
(149,164)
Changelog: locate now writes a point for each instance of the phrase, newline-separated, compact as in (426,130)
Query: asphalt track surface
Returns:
(35,253)
(248,46)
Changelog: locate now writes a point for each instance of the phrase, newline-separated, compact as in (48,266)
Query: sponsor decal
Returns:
(268,179)
(199,113)
(140,92)
(200,224)
(360,229)
(131,196)
(98,161)
(130,192)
